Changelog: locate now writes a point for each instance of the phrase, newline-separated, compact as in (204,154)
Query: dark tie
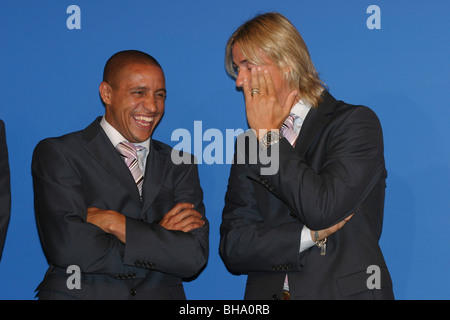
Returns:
(128,151)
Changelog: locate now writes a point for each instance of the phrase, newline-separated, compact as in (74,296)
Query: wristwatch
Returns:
(270,138)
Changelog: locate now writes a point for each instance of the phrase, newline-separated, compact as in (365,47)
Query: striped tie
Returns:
(128,151)
(287,129)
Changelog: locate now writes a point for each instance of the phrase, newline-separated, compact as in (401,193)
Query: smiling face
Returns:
(134,100)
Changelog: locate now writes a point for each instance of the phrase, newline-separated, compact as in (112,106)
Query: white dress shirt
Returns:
(115,137)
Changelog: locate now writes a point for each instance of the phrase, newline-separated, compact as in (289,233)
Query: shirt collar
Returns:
(301,109)
(115,137)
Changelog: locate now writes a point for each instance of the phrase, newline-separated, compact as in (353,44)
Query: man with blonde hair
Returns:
(311,230)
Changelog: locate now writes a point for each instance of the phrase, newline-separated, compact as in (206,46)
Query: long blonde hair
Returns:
(275,35)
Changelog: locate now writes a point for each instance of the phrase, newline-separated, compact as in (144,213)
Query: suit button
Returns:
(133,292)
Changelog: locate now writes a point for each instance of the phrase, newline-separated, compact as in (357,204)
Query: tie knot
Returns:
(289,122)
(129,153)
(287,129)
(127,149)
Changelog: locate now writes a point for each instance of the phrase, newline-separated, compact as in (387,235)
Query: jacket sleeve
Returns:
(61,210)
(353,162)
(247,242)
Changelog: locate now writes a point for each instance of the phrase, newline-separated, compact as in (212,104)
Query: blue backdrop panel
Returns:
(52,62)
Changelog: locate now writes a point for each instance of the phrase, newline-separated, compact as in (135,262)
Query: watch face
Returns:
(270,138)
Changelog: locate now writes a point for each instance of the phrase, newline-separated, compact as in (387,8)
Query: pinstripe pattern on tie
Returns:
(128,151)
(287,129)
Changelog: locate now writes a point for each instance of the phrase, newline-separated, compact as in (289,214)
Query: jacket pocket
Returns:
(359,282)
(55,286)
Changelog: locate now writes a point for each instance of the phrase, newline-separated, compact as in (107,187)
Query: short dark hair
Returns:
(122,58)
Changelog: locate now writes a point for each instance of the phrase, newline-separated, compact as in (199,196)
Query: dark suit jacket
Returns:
(337,166)
(82,169)
(5,187)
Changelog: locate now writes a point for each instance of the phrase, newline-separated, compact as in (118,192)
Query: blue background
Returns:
(49,77)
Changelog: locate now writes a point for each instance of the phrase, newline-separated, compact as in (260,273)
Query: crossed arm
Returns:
(70,233)
(182,217)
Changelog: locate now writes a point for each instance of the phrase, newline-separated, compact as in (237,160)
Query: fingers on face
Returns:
(269,83)
(247,90)
(257,83)
(263,80)
(265,86)
(251,87)
(255,78)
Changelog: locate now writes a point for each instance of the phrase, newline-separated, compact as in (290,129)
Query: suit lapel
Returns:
(101,148)
(154,174)
(315,120)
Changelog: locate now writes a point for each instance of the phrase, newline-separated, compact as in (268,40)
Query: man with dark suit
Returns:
(5,188)
(133,229)
(311,229)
